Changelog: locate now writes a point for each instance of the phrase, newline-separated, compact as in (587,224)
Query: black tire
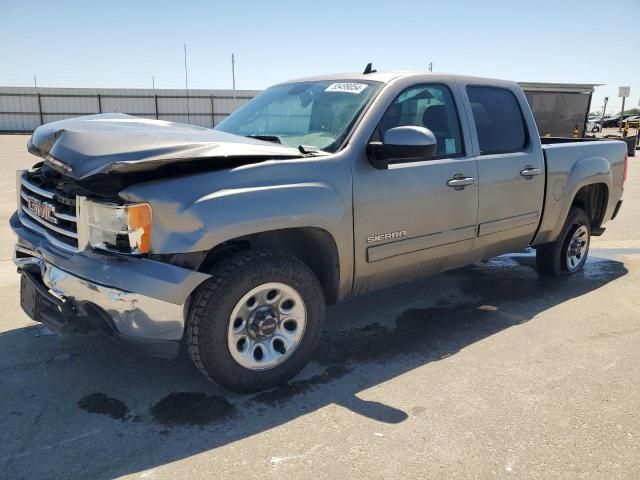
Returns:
(551,257)
(214,301)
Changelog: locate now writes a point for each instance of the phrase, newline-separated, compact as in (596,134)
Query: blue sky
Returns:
(125,44)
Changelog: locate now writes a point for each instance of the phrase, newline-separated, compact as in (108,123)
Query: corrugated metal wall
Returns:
(22,109)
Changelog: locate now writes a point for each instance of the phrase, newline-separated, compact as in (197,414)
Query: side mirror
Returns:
(402,144)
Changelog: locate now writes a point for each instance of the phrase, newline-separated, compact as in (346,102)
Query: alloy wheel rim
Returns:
(266,326)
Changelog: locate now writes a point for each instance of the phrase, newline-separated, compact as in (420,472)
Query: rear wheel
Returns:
(257,321)
(569,252)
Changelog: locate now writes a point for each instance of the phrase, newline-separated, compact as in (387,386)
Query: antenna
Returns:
(369,69)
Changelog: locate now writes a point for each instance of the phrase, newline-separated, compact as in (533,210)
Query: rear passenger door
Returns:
(510,169)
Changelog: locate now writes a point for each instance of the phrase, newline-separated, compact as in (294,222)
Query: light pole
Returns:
(233,74)
(604,108)
(186,82)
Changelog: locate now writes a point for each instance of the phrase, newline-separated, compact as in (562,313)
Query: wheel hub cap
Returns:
(263,322)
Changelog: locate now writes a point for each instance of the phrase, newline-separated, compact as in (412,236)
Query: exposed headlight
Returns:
(120,228)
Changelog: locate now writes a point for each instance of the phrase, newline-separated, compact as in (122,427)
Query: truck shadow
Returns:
(141,413)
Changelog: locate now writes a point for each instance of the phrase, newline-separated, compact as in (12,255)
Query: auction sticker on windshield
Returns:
(347,87)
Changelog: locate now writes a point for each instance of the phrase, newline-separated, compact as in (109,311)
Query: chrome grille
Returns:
(40,211)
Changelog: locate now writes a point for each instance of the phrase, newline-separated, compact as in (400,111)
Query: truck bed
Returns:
(554,140)
(629,141)
(571,163)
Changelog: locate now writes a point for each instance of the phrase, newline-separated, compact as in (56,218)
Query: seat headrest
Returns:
(436,118)
(480,115)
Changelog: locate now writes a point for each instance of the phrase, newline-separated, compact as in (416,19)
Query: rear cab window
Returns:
(500,125)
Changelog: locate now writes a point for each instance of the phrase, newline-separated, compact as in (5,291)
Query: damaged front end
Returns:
(83,249)
(73,216)
(82,266)
(115,143)
(67,303)
(80,257)
(73,196)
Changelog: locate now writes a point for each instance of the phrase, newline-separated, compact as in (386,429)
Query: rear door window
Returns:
(499,122)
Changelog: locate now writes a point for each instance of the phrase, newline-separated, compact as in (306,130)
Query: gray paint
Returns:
(409,135)
(573,166)
(345,196)
(199,212)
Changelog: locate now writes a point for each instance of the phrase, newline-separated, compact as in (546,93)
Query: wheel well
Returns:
(593,200)
(314,246)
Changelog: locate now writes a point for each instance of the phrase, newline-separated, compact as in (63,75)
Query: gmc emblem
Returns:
(42,209)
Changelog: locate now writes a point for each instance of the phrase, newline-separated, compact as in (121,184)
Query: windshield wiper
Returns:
(311,150)
(267,138)
(304,149)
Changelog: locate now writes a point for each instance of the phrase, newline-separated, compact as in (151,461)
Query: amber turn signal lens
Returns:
(140,227)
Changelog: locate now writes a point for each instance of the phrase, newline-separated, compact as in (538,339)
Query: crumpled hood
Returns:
(117,143)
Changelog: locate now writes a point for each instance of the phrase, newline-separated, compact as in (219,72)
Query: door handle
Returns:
(459,182)
(530,171)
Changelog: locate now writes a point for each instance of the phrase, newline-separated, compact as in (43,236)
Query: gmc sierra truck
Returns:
(231,241)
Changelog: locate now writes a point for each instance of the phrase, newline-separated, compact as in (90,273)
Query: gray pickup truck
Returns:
(231,241)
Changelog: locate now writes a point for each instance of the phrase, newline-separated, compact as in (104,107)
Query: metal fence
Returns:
(22,109)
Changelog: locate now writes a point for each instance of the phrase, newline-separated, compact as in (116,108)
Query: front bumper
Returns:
(136,300)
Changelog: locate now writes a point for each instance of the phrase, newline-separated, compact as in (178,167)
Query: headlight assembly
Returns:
(120,228)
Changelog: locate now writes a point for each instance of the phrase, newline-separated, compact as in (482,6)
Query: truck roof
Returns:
(386,76)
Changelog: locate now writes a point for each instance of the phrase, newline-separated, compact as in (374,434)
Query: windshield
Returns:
(315,114)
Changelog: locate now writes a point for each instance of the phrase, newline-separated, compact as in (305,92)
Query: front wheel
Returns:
(256,322)
(569,252)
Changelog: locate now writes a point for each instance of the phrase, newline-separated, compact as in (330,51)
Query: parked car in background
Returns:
(231,241)
(611,121)
(593,126)
(632,121)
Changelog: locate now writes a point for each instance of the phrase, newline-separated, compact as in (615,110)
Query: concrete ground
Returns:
(485,372)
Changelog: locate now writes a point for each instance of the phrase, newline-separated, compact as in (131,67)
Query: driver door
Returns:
(411,220)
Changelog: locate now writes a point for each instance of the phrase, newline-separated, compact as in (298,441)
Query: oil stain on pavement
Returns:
(190,408)
(287,391)
(102,404)
(177,408)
